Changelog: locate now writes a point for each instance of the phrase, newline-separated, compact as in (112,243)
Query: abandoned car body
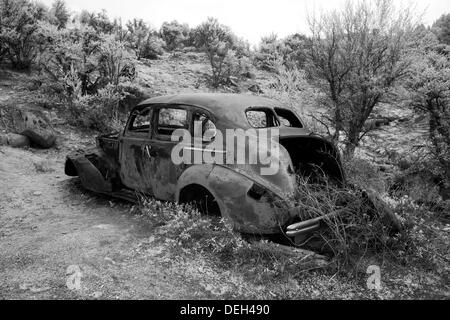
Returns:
(139,160)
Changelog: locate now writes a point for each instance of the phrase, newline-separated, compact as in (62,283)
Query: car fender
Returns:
(94,169)
(231,189)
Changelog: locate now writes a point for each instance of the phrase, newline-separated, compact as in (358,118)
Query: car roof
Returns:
(228,108)
(217,103)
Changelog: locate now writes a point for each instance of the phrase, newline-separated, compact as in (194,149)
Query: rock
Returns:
(255,88)
(40,138)
(249,75)
(37,129)
(97,294)
(24,286)
(39,290)
(107,259)
(14,140)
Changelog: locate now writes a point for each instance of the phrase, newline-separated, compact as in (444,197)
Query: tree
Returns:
(142,40)
(98,21)
(174,34)
(18,25)
(217,41)
(429,85)
(59,14)
(269,56)
(356,56)
(71,54)
(442,28)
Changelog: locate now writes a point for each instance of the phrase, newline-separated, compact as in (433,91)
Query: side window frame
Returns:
(131,133)
(209,116)
(155,120)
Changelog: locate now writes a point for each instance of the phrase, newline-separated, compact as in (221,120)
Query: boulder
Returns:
(255,88)
(40,138)
(14,140)
(37,129)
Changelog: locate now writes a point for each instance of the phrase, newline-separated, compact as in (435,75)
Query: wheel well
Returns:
(201,197)
(69,169)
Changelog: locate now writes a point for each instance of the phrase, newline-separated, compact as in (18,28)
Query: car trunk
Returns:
(314,158)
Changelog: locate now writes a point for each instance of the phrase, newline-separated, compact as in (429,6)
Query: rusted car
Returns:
(138,160)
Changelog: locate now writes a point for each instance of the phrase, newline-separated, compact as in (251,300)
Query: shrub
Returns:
(355,229)
(18,25)
(96,71)
(429,85)
(71,50)
(115,62)
(98,21)
(273,53)
(269,55)
(356,56)
(97,111)
(291,87)
(442,28)
(59,15)
(143,41)
(217,41)
(174,34)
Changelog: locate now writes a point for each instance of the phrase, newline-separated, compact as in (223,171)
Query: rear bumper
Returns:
(303,229)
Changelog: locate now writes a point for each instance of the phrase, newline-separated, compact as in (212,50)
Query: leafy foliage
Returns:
(18,26)
(99,21)
(274,53)
(143,40)
(59,15)
(227,55)
(430,89)
(174,34)
(442,29)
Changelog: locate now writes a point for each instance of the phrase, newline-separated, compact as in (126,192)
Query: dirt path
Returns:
(48,223)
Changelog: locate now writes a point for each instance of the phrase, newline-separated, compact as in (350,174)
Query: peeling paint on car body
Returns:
(140,161)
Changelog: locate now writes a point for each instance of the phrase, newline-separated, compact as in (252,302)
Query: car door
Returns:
(136,169)
(166,119)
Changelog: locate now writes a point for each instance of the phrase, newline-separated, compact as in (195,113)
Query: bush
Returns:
(97,72)
(217,42)
(357,56)
(174,34)
(59,15)
(143,40)
(98,21)
(274,53)
(18,25)
(357,228)
(429,85)
(73,50)
(269,56)
(291,87)
(97,111)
